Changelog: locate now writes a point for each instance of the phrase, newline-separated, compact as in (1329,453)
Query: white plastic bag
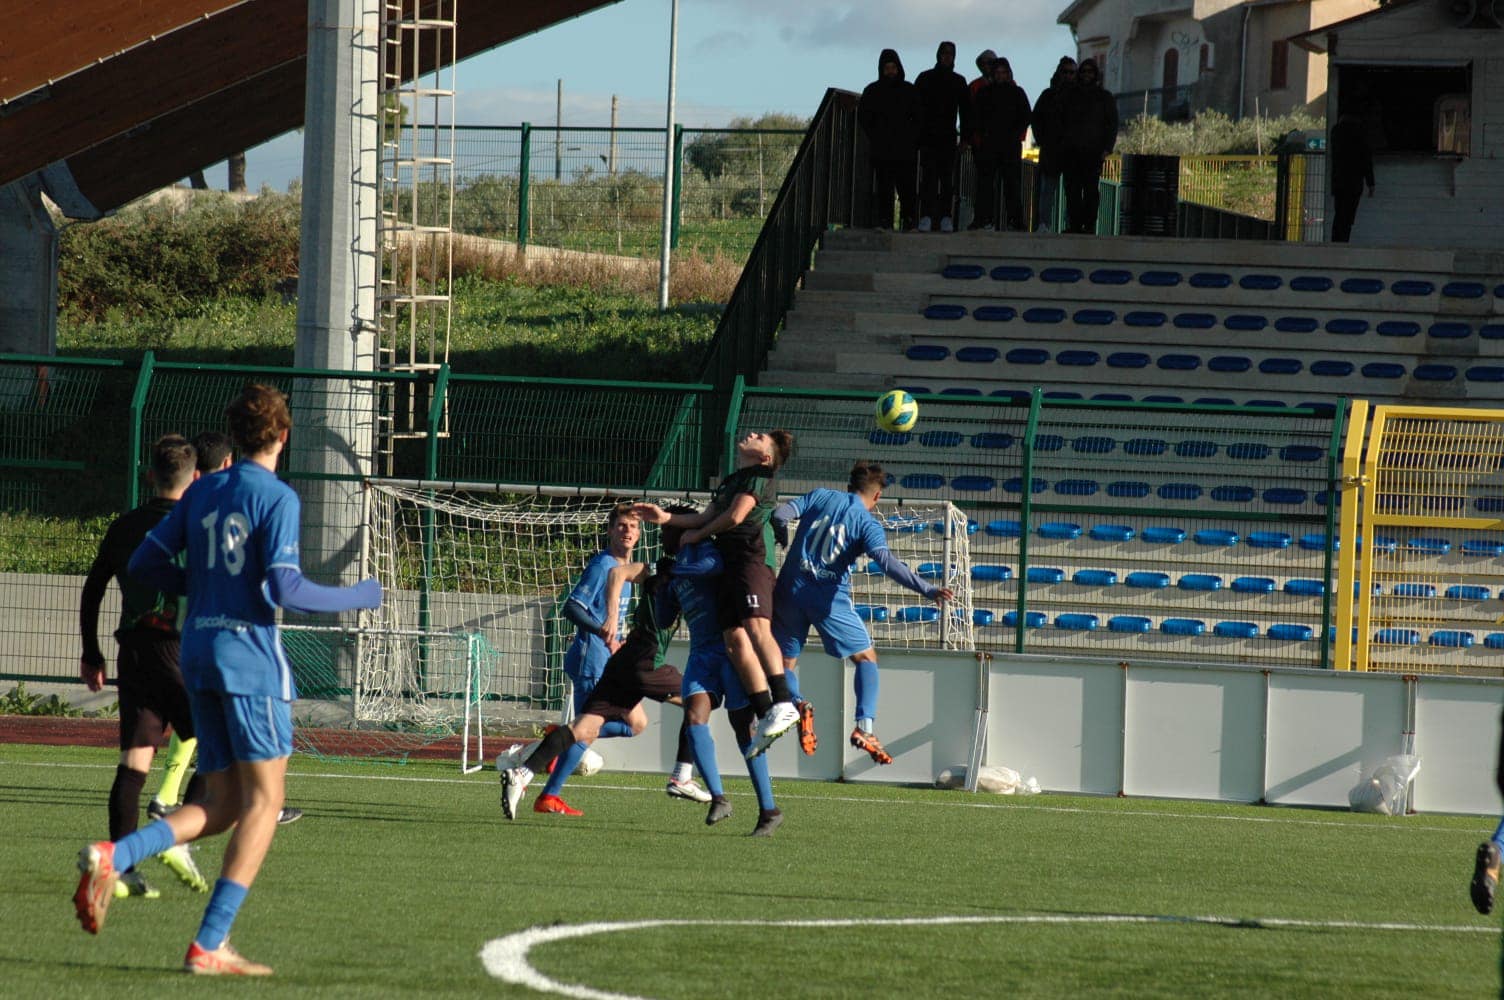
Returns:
(990,778)
(1385,787)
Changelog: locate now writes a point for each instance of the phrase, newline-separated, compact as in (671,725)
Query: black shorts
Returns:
(746,591)
(151,691)
(621,690)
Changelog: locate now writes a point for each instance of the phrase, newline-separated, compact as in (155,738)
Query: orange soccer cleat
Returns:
(873,746)
(222,961)
(96,884)
(554,804)
(808,741)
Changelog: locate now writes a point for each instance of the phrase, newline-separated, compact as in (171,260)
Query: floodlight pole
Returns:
(668,157)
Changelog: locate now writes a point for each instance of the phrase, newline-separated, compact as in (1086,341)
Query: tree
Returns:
(716,154)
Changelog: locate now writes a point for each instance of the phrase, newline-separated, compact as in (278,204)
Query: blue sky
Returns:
(736,58)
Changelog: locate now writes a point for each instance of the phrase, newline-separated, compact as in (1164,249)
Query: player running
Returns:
(814,587)
(239,529)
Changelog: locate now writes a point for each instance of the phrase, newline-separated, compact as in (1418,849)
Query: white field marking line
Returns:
(506,958)
(1014,804)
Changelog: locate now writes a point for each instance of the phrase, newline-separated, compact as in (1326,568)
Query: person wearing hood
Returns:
(1048,125)
(890,115)
(1002,119)
(943,97)
(1089,130)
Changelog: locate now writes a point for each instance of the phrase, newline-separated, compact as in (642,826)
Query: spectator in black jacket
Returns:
(943,96)
(1352,167)
(1002,120)
(1089,130)
(1048,126)
(889,114)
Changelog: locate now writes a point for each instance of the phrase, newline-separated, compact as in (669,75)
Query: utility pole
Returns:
(611,158)
(668,157)
(559,132)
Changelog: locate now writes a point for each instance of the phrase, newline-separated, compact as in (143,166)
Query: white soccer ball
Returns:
(590,763)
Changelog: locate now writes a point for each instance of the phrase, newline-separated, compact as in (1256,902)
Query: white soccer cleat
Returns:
(689,790)
(513,786)
(782,717)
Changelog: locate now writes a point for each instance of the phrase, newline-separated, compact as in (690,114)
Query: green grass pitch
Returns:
(398,878)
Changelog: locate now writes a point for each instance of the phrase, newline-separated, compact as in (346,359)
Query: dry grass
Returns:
(694,277)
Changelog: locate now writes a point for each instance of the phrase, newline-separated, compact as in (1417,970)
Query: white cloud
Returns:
(904,24)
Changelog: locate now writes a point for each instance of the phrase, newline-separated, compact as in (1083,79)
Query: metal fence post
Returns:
(678,185)
(138,407)
(522,186)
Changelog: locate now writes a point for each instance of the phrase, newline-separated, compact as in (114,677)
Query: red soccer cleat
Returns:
(554,804)
(222,961)
(96,884)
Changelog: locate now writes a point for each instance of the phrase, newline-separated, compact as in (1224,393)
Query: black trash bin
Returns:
(1149,199)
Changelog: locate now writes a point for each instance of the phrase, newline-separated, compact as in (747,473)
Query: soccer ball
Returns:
(590,763)
(897,411)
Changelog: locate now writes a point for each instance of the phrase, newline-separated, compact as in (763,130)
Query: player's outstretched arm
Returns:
(899,572)
(654,514)
(741,505)
(619,576)
(292,591)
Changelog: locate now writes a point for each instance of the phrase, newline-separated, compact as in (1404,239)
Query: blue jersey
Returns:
(834,530)
(587,654)
(235,527)
(695,599)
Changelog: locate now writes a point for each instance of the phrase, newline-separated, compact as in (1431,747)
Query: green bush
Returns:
(1210,133)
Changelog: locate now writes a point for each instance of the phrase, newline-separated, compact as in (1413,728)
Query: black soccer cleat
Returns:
(1485,877)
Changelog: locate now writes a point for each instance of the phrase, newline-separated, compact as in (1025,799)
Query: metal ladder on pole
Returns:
(417,219)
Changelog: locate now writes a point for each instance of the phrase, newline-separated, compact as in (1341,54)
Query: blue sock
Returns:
(563,768)
(615,728)
(704,747)
(1498,837)
(219,915)
(757,768)
(793,682)
(865,683)
(146,842)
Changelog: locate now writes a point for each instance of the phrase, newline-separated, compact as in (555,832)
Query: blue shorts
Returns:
(239,727)
(710,672)
(832,615)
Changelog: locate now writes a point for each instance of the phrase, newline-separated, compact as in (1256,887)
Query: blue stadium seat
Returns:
(1215,536)
(1253,585)
(1044,314)
(1268,404)
(1491,331)
(1004,529)
(922,481)
(1210,279)
(1129,623)
(1468,592)
(973,484)
(1049,442)
(1179,491)
(1233,493)
(1213,401)
(1449,330)
(1027,356)
(1260,282)
(978,355)
(1128,359)
(1363,286)
(927,352)
(1076,622)
(1435,373)
(1296,324)
(1248,451)
(991,574)
(1060,530)
(1200,581)
(1111,276)
(1482,547)
(1112,397)
(1012,272)
(1095,578)
(1112,533)
(1229,363)
(1397,637)
(1318,408)
(1183,626)
(1310,283)
(1382,543)
(1236,630)
(992,439)
(1032,619)
(1059,394)
(1159,279)
(981,617)
(1285,496)
(1464,290)
(1489,505)
(872,569)
(1398,328)
(1076,487)
(944,311)
(930,570)
(1429,546)
(1328,368)
(1163,399)
(1296,633)
(1060,275)
(1454,638)
(918,614)
(1305,588)
(891,438)
(1147,579)
(914,390)
(1144,317)
(941,439)
(1126,489)
(963,272)
(1195,321)
(1499,291)
(1412,287)
(1494,640)
(1196,449)
(1347,326)
(1301,453)
(1179,362)
(1281,366)
(960,390)
(1045,574)
(994,314)
(1269,540)
(1081,359)
(872,612)
(1022,395)
(1094,317)
(1246,321)
(1485,373)
(1088,444)
(1163,535)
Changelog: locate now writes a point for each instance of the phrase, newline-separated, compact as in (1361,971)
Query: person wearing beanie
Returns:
(889,115)
(943,98)
(1002,119)
(1089,130)
(1048,126)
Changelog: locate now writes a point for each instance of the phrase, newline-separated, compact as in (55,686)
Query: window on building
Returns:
(1279,65)
(1171,77)
(1410,109)
(1204,62)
